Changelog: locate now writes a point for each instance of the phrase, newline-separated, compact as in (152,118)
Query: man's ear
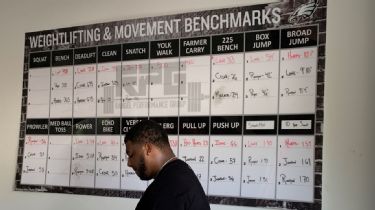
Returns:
(148,148)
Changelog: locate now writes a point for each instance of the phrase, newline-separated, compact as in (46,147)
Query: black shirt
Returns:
(176,187)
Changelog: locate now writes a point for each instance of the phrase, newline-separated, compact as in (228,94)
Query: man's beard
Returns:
(141,170)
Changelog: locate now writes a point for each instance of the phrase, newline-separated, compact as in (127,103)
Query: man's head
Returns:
(147,146)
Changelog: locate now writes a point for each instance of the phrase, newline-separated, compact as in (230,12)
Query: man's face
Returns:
(136,159)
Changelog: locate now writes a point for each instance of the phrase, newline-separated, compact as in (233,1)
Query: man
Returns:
(175,185)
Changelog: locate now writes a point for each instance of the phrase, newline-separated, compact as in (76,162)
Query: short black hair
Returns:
(148,131)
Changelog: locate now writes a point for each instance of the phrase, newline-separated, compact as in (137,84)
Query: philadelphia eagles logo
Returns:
(304,11)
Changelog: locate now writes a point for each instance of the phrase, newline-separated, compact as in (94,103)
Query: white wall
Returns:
(348,131)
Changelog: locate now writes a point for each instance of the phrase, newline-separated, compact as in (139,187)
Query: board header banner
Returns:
(230,20)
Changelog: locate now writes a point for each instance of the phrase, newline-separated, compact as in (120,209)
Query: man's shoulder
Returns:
(176,167)
(178,172)
(178,184)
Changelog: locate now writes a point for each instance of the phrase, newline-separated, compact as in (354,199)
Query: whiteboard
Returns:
(239,96)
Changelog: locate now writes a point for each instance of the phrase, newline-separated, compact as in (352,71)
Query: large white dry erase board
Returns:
(239,90)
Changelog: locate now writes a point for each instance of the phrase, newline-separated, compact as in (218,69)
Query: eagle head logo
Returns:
(304,11)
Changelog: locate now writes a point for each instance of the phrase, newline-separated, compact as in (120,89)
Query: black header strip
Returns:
(60,126)
(262,40)
(108,126)
(168,123)
(299,37)
(62,58)
(41,59)
(231,125)
(195,46)
(194,125)
(135,51)
(37,126)
(110,53)
(85,55)
(229,43)
(128,123)
(165,49)
(84,126)
(260,125)
(297,124)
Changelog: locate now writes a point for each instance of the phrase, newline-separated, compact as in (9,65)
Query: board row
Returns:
(214,125)
(254,83)
(228,43)
(267,167)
